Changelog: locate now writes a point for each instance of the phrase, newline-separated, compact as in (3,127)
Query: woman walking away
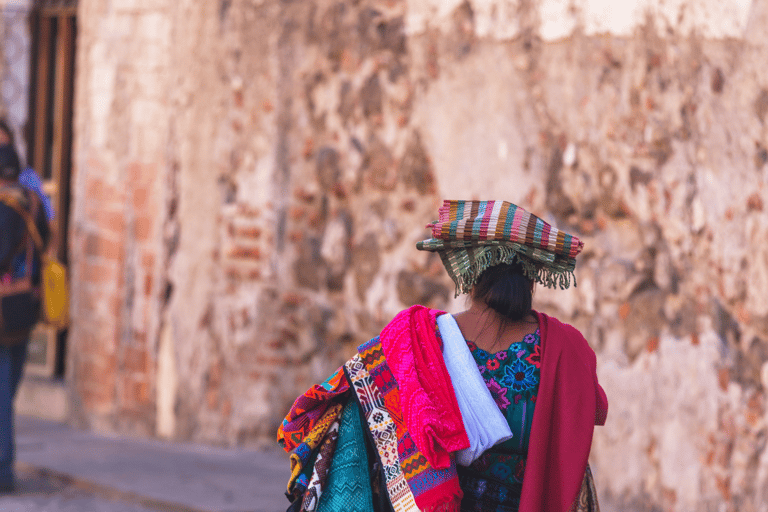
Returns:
(491,409)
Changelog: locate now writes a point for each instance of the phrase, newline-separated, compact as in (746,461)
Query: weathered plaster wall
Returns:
(286,156)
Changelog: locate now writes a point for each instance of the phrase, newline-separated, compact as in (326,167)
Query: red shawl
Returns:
(414,354)
(569,404)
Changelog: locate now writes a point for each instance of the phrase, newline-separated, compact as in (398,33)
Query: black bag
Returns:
(20,301)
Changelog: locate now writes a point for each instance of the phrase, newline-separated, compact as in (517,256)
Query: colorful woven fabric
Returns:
(384,432)
(307,449)
(471,236)
(309,408)
(413,349)
(587,498)
(348,485)
(320,468)
(413,484)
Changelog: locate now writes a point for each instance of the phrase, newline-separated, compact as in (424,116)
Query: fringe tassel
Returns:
(453,505)
(495,255)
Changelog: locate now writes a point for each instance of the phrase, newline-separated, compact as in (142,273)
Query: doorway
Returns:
(48,136)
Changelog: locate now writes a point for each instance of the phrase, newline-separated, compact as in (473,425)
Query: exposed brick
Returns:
(135,359)
(245,252)
(111,222)
(143,228)
(99,246)
(99,273)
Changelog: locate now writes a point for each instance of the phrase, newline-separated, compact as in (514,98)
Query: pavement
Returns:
(119,474)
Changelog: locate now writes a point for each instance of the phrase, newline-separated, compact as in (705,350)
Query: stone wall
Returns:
(252,176)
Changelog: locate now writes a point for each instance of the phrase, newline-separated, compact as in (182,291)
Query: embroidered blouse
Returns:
(512,377)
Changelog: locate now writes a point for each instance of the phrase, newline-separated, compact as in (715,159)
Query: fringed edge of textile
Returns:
(495,254)
(454,505)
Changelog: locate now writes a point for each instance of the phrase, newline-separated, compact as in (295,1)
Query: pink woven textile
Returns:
(569,404)
(414,353)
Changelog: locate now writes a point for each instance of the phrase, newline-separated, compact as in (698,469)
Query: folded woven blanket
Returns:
(412,483)
(413,350)
(309,408)
(484,422)
(348,485)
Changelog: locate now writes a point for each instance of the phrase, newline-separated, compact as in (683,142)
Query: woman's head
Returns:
(473,236)
(505,289)
(10,167)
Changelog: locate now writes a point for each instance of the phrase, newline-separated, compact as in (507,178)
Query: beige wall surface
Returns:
(251,177)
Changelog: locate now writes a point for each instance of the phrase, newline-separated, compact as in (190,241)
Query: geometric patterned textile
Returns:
(307,449)
(471,236)
(320,468)
(411,480)
(586,501)
(384,432)
(309,408)
(348,485)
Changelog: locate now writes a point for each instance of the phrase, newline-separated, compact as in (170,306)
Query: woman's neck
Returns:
(489,331)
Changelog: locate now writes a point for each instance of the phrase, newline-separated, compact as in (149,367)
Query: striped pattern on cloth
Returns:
(471,236)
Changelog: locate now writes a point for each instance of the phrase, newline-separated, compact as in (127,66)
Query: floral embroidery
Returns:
(512,378)
(535,357)
(520,470)
(501,471)
(520,376)
(498,393)
(532,338)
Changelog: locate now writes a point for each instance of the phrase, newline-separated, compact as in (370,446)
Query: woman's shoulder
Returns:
(554,329)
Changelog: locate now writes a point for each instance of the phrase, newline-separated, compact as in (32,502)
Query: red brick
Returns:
(135,392)
(148,285)
(141,173)
(99,273)
(245,252)
(247,232)
(136,360)
(97,245)
(755,203)
(96,397)
(148,261)
(723,378)
(212,398)
(141,198)
(112,222)
(142,228)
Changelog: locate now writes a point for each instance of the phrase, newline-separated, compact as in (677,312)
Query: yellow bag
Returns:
(55,293)
(55,288)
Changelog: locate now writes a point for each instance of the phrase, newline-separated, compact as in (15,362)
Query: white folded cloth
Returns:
(486,426)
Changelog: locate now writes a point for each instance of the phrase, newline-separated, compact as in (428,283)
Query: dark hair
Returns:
(10,168)
(5,126)
(505,289)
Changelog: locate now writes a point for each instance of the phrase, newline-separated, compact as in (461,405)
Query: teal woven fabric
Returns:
(348,486)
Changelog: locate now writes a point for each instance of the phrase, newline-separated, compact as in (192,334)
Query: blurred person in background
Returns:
(24,233)
(489,409)
(28,177)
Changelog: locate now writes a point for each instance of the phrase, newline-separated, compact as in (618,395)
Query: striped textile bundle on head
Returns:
(471,236)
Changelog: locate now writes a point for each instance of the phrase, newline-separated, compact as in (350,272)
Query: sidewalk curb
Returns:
(106,492)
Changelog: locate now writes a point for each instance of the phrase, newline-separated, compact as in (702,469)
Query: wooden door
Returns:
(49,145)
